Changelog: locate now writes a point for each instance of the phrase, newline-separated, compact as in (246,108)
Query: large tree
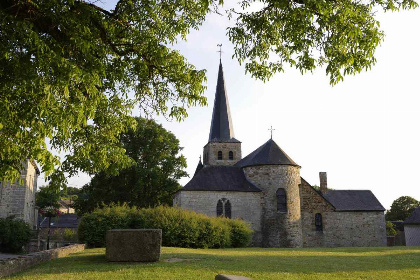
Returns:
(151,181)
(71,71)
(401,208)
(47,196)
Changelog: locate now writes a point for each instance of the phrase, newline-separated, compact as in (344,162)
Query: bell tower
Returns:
(222,148)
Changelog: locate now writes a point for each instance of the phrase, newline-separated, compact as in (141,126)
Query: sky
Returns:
(364,132)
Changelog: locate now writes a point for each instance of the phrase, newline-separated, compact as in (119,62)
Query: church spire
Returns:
(199,167)
(221,129)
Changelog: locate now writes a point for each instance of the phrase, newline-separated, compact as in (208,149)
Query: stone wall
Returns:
(311,203)
(345,229)
(245,205)
(212,148)
(15,265)
(18,199)
(355,229)
(340,229)
(278,229)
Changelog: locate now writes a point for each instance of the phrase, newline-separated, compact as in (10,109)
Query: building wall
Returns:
(17,199)
(340,229)
(245,205)
(278,229)
(355,229)
(212,148)
(345,229)
(312,203)
(412,235)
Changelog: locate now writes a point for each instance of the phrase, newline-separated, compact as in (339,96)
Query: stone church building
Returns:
(266,190)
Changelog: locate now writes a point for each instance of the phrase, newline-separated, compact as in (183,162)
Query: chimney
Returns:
(323,182)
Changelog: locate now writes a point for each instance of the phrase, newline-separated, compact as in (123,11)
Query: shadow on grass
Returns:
(295,261)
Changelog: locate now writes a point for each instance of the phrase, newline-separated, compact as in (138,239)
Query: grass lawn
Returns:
(257,263)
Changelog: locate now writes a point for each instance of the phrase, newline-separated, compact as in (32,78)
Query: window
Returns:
(318,222)
(230,155)
(281,201)
(224,208)
(219,208)
(219,155)
(228,210)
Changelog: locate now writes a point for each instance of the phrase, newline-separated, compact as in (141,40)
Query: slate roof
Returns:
(414,218)
(268,154)
(220,178)
(64,221)
(221,129)
(353,200)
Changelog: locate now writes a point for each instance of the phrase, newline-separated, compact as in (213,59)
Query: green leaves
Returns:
(305,34)
(402,208)
(153,178)
(72,72)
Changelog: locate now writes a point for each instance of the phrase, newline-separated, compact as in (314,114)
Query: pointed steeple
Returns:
(221,129)
(199,167)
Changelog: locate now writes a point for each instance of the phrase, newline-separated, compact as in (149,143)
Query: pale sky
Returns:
(364,132)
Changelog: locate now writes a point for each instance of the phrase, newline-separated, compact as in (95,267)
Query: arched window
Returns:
(318,222)
(224,208)
(281,201)
(219,208)
(228,210)
(219,155)
(230,155)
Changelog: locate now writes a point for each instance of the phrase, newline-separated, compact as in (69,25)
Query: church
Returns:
(265,189)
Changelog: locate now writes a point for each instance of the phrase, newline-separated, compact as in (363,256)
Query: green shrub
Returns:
(180,228)
(69,235)
(93,226)
(390,229)
(14,234)
(240,233)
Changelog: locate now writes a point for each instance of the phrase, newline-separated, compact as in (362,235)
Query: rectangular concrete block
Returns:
(133,245)
(231,277)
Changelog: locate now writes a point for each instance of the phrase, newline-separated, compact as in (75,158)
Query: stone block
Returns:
(231,277)
(133,245)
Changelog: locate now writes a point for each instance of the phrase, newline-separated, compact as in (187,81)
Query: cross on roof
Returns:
(271,130)
(220,50)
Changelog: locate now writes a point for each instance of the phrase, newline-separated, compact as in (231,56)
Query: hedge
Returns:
(180,228)
(14,234)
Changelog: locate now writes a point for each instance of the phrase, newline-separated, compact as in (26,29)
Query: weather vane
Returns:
(220,50)
(271,130)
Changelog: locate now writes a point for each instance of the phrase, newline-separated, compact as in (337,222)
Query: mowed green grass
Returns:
(257,263)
